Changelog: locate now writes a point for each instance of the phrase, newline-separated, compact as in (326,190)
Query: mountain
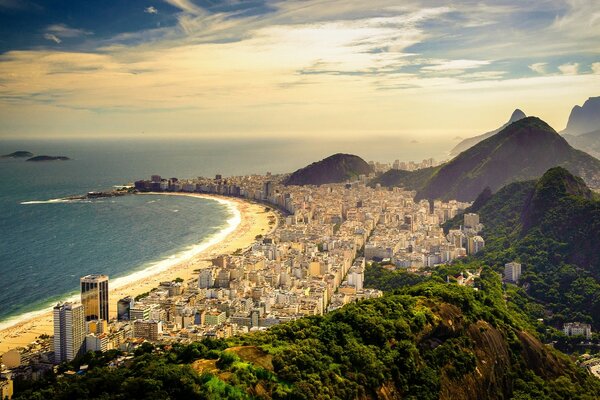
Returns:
(18,154)
(470,142)
(588,142)
(523,150)
(409,180)
(550,225)
(337,168)
(429,341)
(584,119)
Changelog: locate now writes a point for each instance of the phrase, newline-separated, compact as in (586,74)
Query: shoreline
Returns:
(247,220)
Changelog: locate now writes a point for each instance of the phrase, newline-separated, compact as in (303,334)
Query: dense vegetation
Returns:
(409,180)
(472,141)
(427,341)
(552,227)
(524,150)
(337,168)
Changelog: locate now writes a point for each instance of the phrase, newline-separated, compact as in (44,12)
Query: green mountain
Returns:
(552,227)
(409,180)
(470,142)
(523,150)
(337,168)
(430,341)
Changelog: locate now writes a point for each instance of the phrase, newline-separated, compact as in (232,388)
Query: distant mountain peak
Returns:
(524,150)
(516,115)
(472,141)
(584,119)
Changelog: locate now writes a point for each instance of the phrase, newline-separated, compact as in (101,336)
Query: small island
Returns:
(48,158)
(19,154)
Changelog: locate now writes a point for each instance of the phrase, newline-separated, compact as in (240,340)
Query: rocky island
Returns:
(18,154)
(48,158)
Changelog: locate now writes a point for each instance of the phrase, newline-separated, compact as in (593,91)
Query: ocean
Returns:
(47,245)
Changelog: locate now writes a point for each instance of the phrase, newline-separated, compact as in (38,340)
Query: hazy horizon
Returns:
(418,70)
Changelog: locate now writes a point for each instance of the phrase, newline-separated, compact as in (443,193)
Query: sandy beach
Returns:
(249,220)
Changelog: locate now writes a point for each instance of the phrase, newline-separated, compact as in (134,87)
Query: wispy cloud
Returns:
(52,37)
(336,64)
(58,32)
(187,6)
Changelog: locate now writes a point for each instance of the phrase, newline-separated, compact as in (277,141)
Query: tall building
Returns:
(267,189)
(123,307)
(69,331)
(512,271)
(206,279)
(94,296)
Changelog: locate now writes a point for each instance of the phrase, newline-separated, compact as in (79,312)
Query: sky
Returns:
(335,69)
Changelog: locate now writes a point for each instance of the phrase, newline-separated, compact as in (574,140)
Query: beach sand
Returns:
(254,220)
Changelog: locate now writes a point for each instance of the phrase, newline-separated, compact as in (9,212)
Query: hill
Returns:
(523,150)
(584,119)
(409,180)
(337,168)
(588,142)
(430,341)
(470,142)
(18,154)
(550,226)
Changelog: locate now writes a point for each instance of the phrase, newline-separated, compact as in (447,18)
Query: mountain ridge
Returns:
(523,150)
(470,142)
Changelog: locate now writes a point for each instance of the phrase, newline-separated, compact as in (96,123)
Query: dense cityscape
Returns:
(312,262)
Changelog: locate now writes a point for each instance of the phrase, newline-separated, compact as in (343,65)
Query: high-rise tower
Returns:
(69,331)
(94,297)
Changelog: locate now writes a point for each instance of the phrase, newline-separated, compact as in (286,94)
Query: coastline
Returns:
(246,222)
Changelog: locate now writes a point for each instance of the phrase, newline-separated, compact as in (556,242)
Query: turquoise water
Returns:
(46,247)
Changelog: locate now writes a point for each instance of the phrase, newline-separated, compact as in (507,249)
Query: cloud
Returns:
(52,37)
(569,68)
(540,68)
(187,6)
(151,10)
(596,68)
(332,65)
(454,65)
(64,31)
(57,32)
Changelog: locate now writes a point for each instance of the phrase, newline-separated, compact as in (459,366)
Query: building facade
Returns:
(94,296)
(69,331)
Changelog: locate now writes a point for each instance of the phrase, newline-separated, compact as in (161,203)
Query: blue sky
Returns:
(297,68)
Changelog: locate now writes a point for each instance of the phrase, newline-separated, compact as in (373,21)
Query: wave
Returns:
(151,268)
(51,201)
